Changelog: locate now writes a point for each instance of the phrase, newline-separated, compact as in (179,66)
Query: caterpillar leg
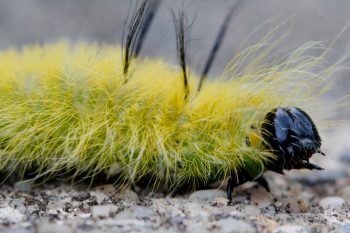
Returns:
(229,189)
(263,182)
(242,178)
(236,180)
(308,165)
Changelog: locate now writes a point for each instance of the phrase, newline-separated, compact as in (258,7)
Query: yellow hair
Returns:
(68,108)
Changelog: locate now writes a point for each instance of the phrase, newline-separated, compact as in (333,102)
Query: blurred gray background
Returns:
(40,21)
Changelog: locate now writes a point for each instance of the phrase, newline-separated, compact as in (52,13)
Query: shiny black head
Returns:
(293,137)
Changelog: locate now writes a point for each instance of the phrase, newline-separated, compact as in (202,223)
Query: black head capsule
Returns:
(293,137)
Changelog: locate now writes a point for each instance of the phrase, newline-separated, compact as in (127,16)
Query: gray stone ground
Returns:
(300,202)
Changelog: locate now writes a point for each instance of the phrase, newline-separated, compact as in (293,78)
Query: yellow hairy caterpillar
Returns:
(86,110)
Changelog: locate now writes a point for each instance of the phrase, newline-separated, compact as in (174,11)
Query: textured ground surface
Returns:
(299,202)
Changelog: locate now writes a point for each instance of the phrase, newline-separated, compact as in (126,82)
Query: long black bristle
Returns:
(217,43)
(146,25)
(138,27)
(181,30)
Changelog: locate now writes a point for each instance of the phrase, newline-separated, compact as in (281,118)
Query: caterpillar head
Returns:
(292,136)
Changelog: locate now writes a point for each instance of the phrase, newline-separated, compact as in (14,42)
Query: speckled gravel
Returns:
(301,201)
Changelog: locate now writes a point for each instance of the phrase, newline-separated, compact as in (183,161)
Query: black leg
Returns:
(229,189)
(263,182)
(309,166)
(235,181)
(312,166)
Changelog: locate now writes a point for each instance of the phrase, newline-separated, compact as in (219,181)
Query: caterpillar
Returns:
(84,110)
